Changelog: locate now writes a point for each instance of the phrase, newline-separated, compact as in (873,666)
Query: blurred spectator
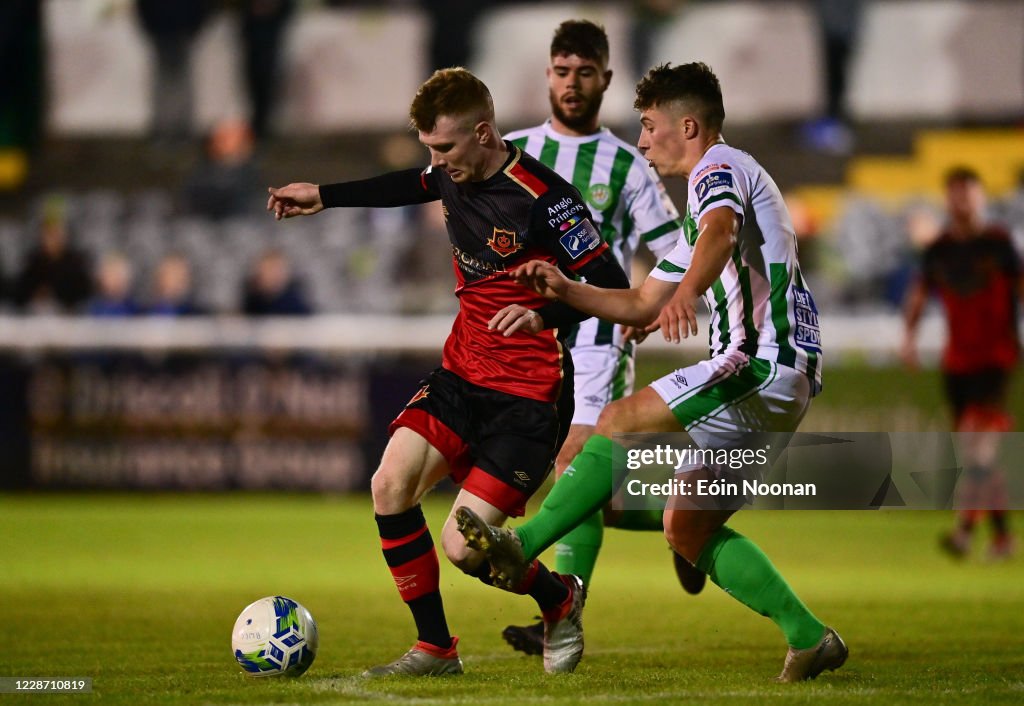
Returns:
(56,276)
(227,181)
(272,290)
(171,26)
(263,25)
(923,225)
(172,288)
(839,21)
(871,245)
(21,87)
(648,18)
(451,25)
(114,288)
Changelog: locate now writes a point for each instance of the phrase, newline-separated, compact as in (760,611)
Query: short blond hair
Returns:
(453,92)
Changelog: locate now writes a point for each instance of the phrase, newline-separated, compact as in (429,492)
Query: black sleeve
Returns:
(404,188)
(603,272)
(565,226)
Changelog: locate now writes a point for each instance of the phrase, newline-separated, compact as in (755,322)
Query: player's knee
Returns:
(391,493)
(462,557)
(615,419)
(563,460)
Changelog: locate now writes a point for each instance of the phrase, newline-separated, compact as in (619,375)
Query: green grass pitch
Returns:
(140,591)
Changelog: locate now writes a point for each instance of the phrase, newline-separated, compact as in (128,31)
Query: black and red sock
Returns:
(544,587)
(410,554)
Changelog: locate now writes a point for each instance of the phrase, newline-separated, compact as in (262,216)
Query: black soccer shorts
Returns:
(500,447)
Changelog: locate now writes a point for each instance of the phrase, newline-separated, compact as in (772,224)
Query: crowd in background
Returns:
(204,244)
(106,254)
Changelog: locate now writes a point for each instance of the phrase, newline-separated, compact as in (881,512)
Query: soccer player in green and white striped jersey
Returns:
(765,362)
(629,206)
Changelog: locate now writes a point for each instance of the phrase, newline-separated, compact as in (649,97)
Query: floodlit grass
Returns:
(140,592)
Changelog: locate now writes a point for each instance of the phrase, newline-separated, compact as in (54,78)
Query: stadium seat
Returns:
(766,55)
(336,61)
(940,59)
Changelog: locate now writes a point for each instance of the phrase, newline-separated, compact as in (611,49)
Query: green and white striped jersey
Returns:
(627,199)
(760,305)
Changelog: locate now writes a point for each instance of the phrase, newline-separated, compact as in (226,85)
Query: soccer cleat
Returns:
(1002,548)
(528,639)
(563,629)
(956,543)
(423,660)
(690,577)
(828,654)
(501,545)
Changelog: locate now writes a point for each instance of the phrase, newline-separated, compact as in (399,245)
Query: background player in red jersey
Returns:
(975,272)
(495,413)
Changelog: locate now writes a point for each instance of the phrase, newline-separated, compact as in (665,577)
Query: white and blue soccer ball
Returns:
(275,636)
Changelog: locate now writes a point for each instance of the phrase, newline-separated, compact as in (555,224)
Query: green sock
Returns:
(576,553)
(739,567)
(582,489)
(650,520)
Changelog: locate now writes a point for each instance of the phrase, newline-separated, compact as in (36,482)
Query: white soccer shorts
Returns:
(733,401)
(603,374)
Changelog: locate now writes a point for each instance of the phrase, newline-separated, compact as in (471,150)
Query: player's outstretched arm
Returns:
(300,199)
(634,307)
(716,239)
(402,188)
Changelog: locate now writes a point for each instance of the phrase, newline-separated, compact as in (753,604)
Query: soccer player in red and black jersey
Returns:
(495,413)
(975,272)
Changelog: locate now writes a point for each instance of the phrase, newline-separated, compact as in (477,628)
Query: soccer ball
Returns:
(275,636)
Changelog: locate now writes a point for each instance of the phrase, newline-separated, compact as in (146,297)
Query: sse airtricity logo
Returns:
(579,237)
(715,181)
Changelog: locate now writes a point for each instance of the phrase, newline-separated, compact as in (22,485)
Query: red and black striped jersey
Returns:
(525,211)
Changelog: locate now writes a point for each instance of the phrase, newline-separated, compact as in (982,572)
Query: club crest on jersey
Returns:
(504,242)
(579,237)
(600,195)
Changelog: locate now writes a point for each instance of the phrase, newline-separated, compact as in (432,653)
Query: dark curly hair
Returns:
(693,85)
(582,38)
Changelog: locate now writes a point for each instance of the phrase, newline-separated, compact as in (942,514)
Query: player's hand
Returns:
(542,277)
(516,317)
(632,333)
(678,318)
(294,200)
